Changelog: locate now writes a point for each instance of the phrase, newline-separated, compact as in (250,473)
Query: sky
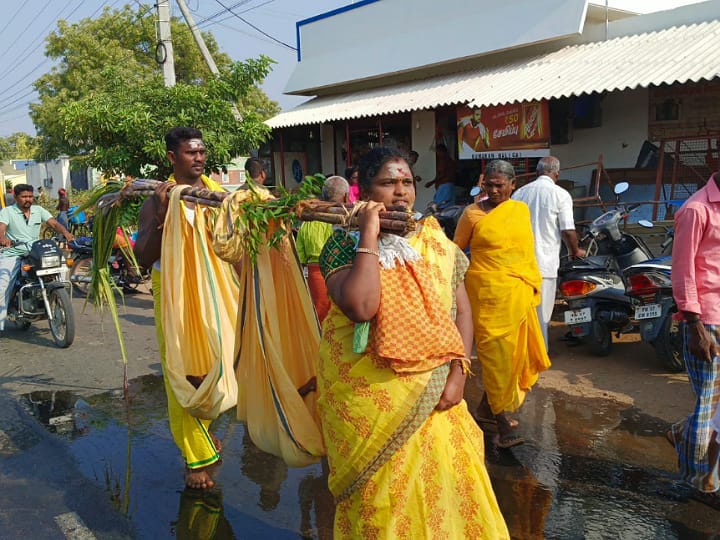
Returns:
(25,25)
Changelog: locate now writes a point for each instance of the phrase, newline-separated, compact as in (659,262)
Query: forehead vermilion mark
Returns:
(195,144)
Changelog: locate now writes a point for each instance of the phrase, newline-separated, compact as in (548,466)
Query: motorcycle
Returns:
(593,287)
(649,284)
(41,291)
(122,273)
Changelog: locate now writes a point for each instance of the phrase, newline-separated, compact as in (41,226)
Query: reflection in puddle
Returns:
(589,470)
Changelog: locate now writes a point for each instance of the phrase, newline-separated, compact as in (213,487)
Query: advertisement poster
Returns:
(512,131)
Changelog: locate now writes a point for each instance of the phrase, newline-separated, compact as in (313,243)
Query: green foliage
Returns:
(266,223)
(18,146)
(105,103)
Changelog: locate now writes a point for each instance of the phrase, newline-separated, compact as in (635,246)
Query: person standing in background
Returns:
(444,180)
(352,176)
(696,288)
(310,240)
(551,214)
(255,169)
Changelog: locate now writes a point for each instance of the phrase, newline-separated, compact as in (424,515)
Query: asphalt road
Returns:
(595,463)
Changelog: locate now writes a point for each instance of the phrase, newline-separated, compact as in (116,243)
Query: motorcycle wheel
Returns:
(668,345)
(600,339)
(81,269)
(62,322)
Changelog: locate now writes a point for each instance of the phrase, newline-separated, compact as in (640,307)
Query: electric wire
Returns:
(6,106)
(41,39)
(209,21)
(251,25)
(19,9)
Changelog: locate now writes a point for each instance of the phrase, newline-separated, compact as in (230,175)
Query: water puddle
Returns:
(589,469)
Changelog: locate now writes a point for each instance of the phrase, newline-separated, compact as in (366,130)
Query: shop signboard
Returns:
(519,130)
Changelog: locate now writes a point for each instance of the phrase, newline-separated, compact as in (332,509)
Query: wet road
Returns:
(591,467)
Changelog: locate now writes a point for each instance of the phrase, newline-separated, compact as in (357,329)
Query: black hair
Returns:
(254,167)
(21,188)
(372,162)
(349,171)
(176,135)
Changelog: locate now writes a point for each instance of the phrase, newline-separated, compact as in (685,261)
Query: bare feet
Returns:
(216,442)
(199,478)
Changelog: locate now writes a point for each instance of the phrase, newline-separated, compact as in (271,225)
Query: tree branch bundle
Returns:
(396,220)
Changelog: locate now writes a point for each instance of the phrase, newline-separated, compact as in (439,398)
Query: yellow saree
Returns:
(398,468)
(503,283)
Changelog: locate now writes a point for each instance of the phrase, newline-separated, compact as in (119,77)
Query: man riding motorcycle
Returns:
(20,224)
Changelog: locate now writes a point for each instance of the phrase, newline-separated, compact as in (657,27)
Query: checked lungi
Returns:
(697,457)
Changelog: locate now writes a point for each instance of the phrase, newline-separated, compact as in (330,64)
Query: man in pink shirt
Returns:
(696,287)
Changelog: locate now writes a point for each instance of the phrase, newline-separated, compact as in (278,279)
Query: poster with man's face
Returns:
(503,131)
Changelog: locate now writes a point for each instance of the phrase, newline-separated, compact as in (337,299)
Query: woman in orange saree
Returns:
(406,458)
(503,283)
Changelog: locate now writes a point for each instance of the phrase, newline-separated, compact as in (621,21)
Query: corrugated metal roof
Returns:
(677,54)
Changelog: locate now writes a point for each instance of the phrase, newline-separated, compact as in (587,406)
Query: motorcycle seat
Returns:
(595,262)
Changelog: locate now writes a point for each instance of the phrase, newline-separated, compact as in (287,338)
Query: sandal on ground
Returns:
(711,499)
(508,441)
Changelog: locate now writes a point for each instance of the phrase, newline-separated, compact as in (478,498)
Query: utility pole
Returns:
(164,53)
(203,48)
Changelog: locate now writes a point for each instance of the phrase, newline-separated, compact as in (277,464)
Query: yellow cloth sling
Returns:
(278,336)
(199,312)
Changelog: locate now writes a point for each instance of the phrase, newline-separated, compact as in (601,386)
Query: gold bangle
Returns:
(369,251)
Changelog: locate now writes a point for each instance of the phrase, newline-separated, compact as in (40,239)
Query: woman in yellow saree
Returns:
(406,458)
(503,283)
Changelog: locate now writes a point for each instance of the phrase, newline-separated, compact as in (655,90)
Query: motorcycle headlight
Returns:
(48,261)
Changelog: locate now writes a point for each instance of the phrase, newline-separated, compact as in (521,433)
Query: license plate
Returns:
(48,271)
(648,311)
(577,316)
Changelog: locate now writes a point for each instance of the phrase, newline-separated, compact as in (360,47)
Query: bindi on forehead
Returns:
(195,144)
(398,168)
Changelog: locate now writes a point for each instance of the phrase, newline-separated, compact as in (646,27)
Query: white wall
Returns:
(396,35)
(57,169)
(619,139)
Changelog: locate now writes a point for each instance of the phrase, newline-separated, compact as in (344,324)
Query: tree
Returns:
(105,104)
(18,146)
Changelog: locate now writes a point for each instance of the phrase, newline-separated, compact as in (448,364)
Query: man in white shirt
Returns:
(551,212)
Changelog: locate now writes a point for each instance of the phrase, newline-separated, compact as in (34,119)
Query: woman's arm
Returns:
(356,290)
(455,384)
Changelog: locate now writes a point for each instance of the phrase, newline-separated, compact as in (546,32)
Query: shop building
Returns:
(514,80)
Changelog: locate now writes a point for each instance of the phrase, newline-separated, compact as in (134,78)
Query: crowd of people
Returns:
(401,316)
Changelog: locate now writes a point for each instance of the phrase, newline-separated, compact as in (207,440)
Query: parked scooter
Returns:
(41,291)
(447,215)
(121,271)
(593,287)
(648,283)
